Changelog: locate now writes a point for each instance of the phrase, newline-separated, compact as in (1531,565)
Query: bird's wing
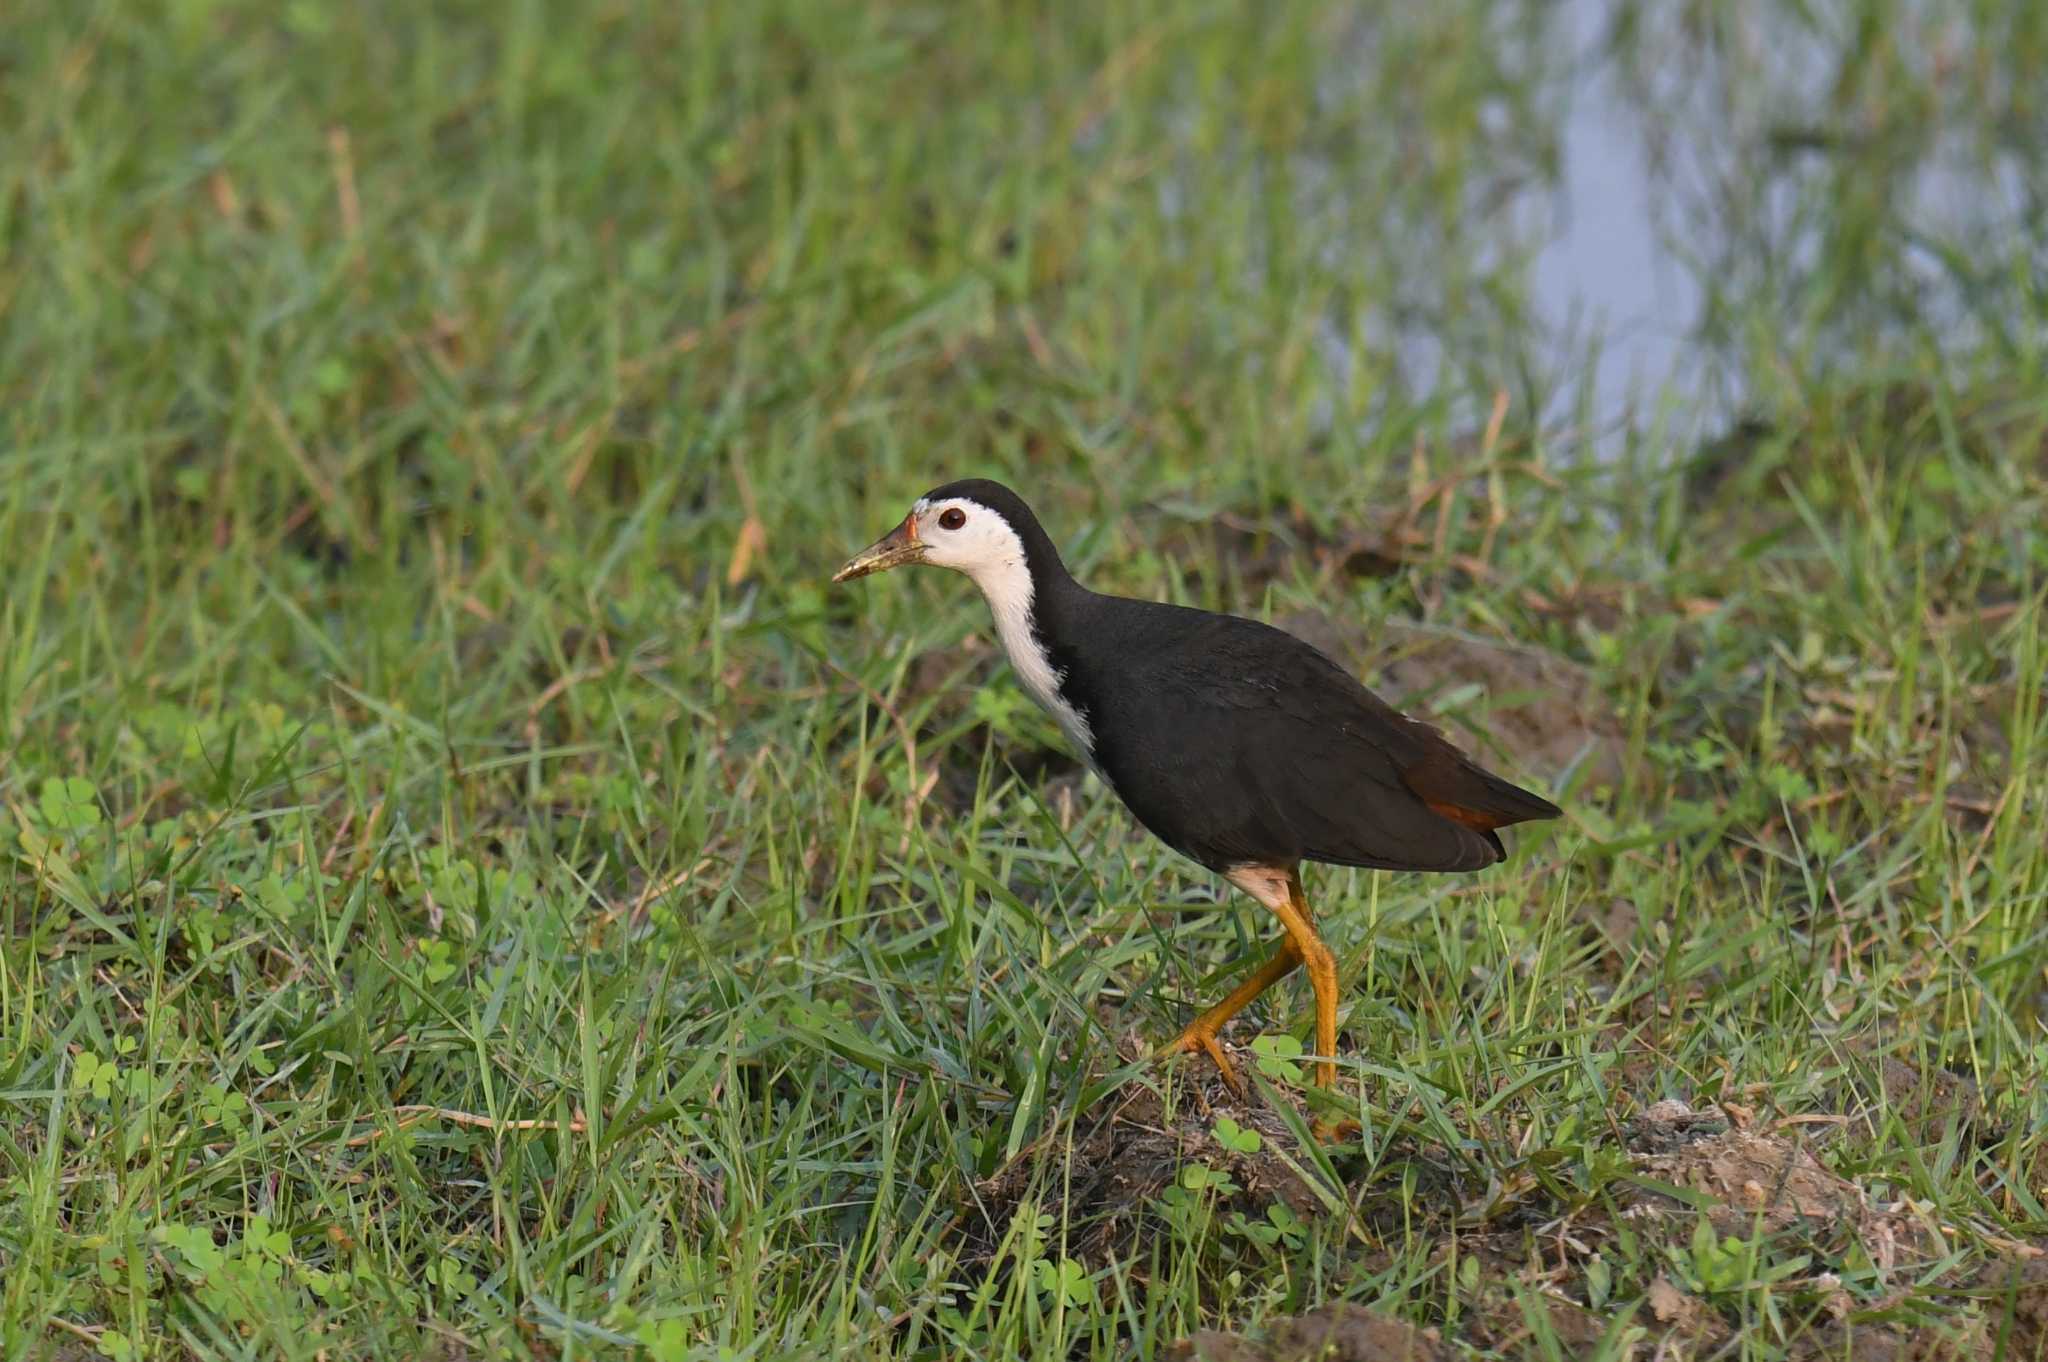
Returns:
(1328,766)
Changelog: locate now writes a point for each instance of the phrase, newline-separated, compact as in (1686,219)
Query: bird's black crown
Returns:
(1040,552)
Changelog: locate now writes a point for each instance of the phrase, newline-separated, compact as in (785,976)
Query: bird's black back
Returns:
(1237,743)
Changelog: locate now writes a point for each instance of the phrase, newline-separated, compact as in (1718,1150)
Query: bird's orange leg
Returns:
(1202,1031)
(1278,888)
(1322,975)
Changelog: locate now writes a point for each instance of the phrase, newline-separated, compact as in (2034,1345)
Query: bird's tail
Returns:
(1461,790)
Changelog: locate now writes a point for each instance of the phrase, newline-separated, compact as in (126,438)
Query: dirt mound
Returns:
(1668,1126)
(1127,1151)
(1335,1333)
(2014,1298)
(1539,712)
(1760,1180)
(1509,1325)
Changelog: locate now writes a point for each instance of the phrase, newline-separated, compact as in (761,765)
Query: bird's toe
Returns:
(1198,1039)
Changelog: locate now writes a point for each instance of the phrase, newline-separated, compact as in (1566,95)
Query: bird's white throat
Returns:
(1005,582)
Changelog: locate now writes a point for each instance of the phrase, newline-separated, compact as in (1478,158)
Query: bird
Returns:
(1240,746)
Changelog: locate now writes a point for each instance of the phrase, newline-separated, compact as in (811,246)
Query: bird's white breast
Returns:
(1007,586)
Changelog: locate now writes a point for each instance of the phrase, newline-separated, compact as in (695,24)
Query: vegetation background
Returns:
(467,889)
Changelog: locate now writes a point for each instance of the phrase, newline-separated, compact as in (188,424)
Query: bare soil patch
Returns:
(1335,1333)
(1759,1180)
(1127,1151)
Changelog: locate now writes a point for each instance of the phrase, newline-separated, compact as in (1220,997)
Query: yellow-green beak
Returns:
(894,549)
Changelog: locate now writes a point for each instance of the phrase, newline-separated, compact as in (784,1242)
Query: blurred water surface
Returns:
(1846,176)
(1707,187)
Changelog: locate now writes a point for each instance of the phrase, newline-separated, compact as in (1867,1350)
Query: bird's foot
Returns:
(1201,1038)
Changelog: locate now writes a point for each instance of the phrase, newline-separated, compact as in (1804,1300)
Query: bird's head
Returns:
(973,527)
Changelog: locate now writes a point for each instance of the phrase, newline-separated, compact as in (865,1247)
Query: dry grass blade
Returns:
(413,1114)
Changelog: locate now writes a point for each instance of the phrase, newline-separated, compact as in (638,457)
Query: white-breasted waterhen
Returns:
(1235,743)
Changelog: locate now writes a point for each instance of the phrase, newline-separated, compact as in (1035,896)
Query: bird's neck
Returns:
(1030,599)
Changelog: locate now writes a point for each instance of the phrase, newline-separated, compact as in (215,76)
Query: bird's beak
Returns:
(894,549)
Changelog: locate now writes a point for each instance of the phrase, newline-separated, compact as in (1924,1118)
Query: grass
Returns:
(465,885)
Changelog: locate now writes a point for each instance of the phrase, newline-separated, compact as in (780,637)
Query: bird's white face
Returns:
(968,537)
(951,532)
(963,534)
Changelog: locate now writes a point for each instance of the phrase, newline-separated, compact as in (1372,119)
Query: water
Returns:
(1606,284)
(1848,180)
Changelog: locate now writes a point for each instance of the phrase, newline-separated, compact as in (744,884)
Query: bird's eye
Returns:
(952,518)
